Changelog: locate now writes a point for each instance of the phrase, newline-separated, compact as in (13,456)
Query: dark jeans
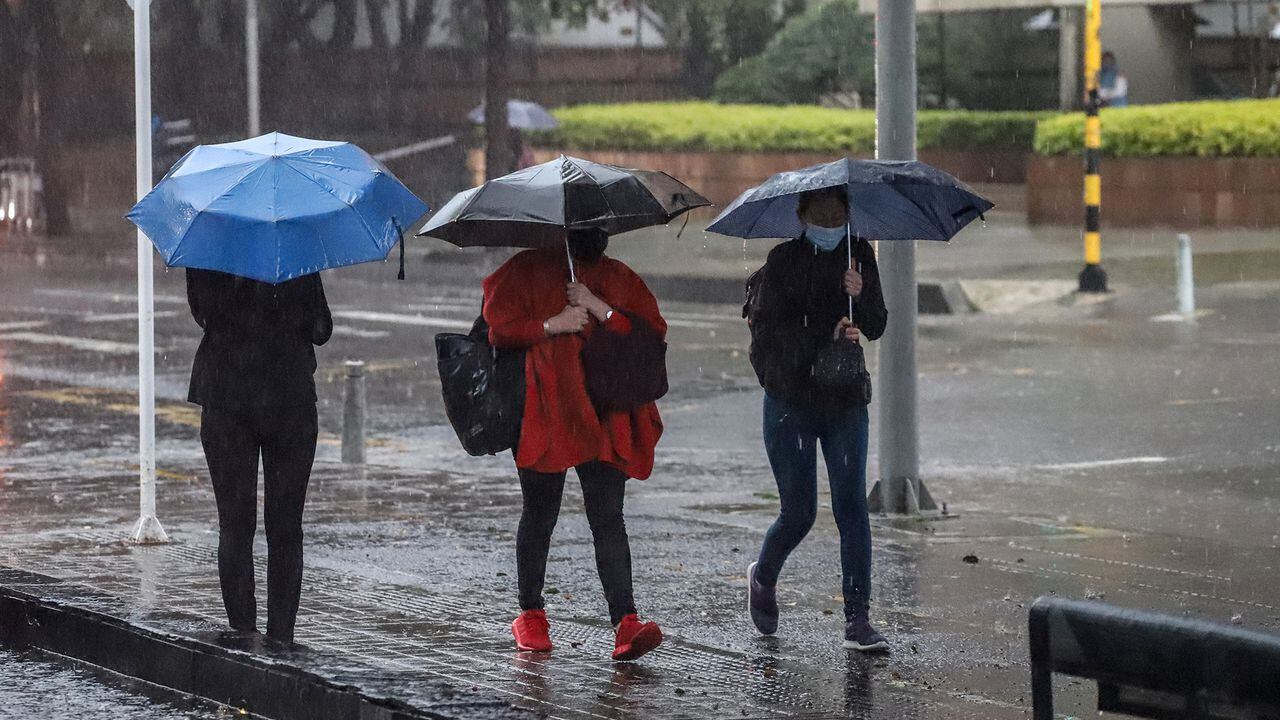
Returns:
(286,441)
(603,488)
(791,437)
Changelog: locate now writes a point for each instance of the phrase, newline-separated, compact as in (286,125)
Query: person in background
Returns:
(253,380)
(530,303)
(1113,86)
(803,306)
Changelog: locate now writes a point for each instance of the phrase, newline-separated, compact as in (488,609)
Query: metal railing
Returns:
(1152,665)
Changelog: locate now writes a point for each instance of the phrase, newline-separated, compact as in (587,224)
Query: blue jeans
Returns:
(791,437)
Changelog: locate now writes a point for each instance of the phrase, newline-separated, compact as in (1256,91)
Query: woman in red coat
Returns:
(530,303)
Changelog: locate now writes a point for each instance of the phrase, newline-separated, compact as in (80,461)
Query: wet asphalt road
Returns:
(1090,450)
(40,686)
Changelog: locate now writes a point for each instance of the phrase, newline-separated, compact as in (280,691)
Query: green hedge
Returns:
(1237,128)
(705,126)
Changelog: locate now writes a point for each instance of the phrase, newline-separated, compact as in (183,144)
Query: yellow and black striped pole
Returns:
(1092,278)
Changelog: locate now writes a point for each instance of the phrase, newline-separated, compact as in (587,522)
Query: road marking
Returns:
(1143,460)
(340,371)
(1206,401)
(106,347)
(400,319)
(115,401)
(345,331)
(23,325)
(695,324)
(108,296)
(116,317)
(711,317)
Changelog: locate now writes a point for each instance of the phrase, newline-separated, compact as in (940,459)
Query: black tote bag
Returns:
(483,390)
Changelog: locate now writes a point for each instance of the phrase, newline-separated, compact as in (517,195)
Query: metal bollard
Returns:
(1186,282)
(353,414)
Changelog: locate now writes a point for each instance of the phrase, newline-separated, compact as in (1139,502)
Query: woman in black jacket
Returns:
(801,305)
(253,379)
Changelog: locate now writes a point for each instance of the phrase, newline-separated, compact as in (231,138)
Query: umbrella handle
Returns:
(573,277)
(848,246)
(400,240)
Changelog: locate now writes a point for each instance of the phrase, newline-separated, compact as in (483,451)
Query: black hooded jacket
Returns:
(258,351)
(799,298)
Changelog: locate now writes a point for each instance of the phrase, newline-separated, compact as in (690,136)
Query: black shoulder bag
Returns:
(483,390)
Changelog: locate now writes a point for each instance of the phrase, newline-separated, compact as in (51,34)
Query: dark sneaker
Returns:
(859,635)
(762,604)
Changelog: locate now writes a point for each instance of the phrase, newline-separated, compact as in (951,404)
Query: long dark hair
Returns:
(587,245)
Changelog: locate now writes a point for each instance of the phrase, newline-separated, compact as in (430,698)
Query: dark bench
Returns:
(1152,665)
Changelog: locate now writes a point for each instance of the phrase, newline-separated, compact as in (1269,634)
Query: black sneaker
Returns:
(762,603)
(859,635)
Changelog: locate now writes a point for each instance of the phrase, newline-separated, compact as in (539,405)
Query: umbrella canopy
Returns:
(537,206)
(888,200)
(521,115)
(276,207)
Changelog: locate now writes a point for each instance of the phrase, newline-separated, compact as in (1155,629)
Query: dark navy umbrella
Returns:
(539,205)
(888,200)
(276,207)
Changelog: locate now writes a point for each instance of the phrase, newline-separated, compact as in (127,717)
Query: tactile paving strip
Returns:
(407,631)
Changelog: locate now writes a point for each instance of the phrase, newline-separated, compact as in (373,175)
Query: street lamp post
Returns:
(899,489)
(252,86)
(148,529)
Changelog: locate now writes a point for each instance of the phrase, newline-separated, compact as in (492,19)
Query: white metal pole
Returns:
(1186,280)
(148,529)
(251,41)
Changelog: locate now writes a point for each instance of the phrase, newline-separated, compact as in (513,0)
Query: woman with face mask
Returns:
(799,306)
(530,302)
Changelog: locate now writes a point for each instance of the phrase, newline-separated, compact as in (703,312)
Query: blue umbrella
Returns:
(521,115)
(276,207)
(888,200)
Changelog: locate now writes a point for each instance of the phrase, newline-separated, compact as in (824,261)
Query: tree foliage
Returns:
(829,48)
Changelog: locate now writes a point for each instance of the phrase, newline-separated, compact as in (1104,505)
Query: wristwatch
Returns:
(546,328)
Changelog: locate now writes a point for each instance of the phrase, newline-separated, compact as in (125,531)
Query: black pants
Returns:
(603,488)
(286,441)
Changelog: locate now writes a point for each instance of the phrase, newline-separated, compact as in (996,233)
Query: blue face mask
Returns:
(824,238)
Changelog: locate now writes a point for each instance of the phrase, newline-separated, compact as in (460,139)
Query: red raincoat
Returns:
(561,428)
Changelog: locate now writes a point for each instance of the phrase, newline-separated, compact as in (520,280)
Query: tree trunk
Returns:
(498,158)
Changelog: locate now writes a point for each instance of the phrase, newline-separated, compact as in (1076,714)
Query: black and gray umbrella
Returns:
(537,207)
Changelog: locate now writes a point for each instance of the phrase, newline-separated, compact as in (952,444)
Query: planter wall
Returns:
(1169,192)
(721,176)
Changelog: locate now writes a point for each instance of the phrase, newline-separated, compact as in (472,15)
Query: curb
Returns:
(89,626)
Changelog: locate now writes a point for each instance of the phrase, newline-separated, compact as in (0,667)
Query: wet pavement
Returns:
(1090,449)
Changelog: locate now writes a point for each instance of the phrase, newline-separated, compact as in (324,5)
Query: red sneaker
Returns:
(531,630)
(635,638)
